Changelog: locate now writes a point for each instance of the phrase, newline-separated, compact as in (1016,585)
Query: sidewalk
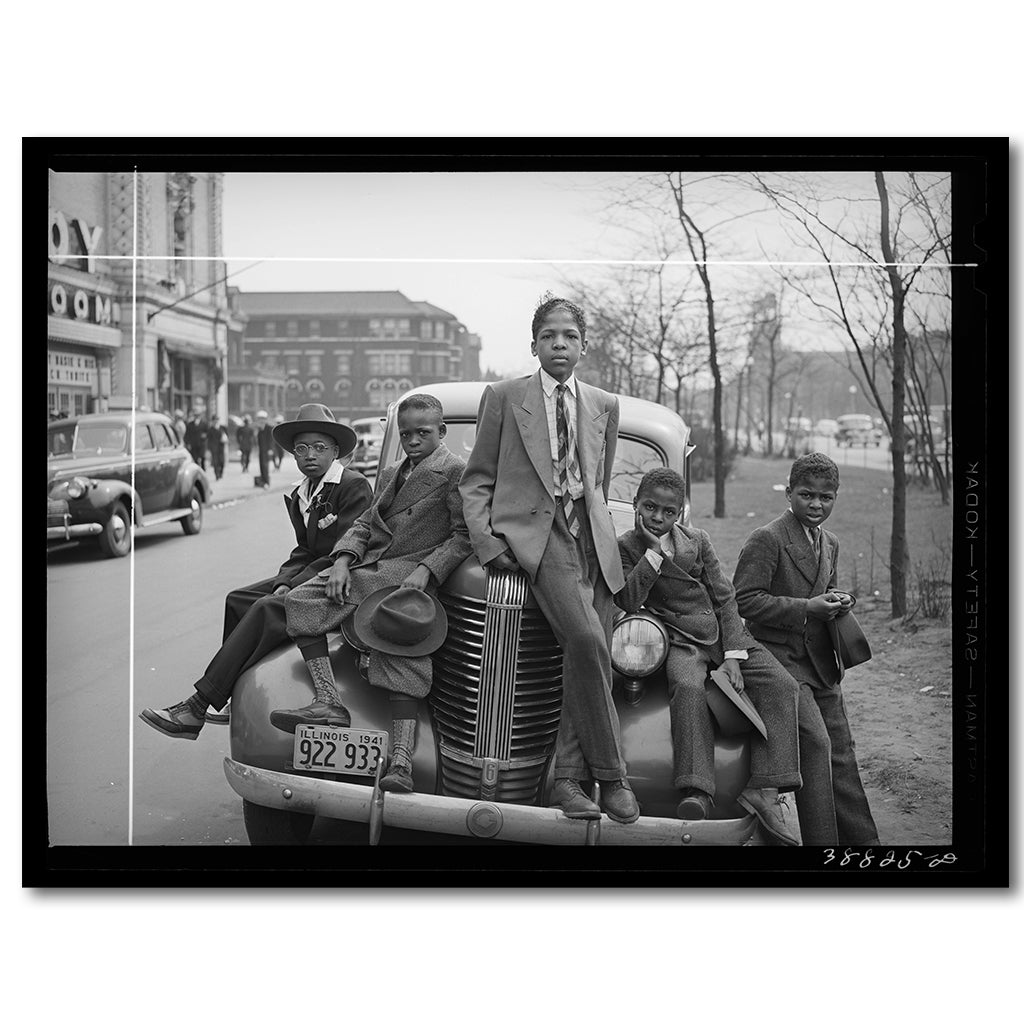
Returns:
(236,486)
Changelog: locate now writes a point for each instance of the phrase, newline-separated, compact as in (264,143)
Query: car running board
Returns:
(166,517)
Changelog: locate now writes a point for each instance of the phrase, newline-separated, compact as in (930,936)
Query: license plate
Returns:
(323,748)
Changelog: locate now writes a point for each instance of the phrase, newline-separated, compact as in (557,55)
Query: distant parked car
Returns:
(89,479)
(826,428)
(369,442)
(857,429)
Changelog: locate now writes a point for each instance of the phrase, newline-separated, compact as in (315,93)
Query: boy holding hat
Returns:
(321,508)
(785,586)
(410,540)
(672,571)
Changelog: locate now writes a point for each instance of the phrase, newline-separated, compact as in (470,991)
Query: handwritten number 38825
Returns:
(849,858)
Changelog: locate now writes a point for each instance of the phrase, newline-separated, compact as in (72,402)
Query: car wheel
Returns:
(269,826)
(116,538)
(193,523)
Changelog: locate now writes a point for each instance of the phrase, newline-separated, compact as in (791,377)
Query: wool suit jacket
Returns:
(690,594)
(508,488)
(421,524)
(776,575)
(315,540)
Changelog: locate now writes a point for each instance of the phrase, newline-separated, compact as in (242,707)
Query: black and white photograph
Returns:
(518,504)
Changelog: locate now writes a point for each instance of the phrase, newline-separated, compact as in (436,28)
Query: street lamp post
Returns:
(853,397)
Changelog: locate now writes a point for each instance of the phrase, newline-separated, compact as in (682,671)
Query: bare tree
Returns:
(869,301)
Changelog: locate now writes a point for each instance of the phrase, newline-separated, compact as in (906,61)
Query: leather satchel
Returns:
(851,644)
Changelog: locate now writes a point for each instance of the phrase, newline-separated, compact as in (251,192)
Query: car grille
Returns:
(496,738)
(55,512)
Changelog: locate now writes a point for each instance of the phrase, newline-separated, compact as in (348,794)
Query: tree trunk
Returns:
(898,554)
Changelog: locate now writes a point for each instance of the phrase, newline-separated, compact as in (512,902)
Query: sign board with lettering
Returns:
(71,368)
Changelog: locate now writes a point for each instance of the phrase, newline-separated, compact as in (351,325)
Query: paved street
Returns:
(181,795)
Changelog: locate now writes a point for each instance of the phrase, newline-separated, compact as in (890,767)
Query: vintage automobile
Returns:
(857,429)
(369,441)
(486,736)
(89,479)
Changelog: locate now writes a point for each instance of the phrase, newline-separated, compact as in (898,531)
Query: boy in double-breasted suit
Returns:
(321,509)
(535,494)
(785,581)
(672,571)
(413,535)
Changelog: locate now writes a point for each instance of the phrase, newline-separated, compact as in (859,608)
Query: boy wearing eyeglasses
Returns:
(321,508)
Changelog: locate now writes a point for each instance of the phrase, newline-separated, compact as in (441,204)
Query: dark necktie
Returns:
(564,458)
(816,540)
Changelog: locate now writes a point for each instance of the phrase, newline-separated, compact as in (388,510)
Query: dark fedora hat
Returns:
(318,418)
(401,620)
(731,710)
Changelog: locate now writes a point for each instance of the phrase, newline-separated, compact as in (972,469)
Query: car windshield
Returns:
(633,458)
(94,438)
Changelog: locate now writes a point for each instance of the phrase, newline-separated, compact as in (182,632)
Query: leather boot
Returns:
(399,776)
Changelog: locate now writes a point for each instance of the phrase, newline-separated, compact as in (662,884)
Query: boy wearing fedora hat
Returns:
(672,571)
(412,537)
(785,588)
(321,508)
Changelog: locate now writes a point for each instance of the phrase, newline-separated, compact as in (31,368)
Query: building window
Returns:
(342,327)
(269,330)
(343,386)
(181,383)
(313,365)
(291,328)
(344,367)
(389,362)
(403,328)
(293,385)
(439,330)
(314,387)
(375,329)
(314,328)
(425,329)
(291,363)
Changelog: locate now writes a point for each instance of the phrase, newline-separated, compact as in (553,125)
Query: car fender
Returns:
(96,505)
(191,476)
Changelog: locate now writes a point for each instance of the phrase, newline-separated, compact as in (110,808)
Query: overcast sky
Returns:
(392,225)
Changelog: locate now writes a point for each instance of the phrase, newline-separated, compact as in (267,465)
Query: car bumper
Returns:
(71,530)
(480,818)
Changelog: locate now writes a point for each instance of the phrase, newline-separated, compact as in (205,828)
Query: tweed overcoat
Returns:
(775,577)
(690,594)
(420,525)
(514,509)
(334,510)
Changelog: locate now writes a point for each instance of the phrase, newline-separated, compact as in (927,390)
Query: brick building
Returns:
(352,351)
(181,314)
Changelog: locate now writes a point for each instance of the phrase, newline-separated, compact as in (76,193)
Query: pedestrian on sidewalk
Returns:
(195,438)
(277,452)
(264,447)
(246,438)
(321,509)
(217,444)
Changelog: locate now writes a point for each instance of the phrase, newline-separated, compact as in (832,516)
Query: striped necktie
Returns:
(816,540)
(565,459)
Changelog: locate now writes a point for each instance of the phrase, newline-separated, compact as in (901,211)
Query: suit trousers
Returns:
(573,596)
(775,762)
(254,625)
(832,805)
(311,613)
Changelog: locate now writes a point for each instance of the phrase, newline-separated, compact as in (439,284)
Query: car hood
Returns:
(83,465)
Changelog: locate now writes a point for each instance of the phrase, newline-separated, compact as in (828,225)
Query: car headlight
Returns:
(639,645)
(73,488)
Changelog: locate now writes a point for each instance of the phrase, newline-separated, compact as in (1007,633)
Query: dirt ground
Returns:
(899,702)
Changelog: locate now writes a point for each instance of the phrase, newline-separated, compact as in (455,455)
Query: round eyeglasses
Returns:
(317,449)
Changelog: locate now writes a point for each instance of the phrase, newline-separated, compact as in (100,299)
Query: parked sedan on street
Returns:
(89,479)
(484,759)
